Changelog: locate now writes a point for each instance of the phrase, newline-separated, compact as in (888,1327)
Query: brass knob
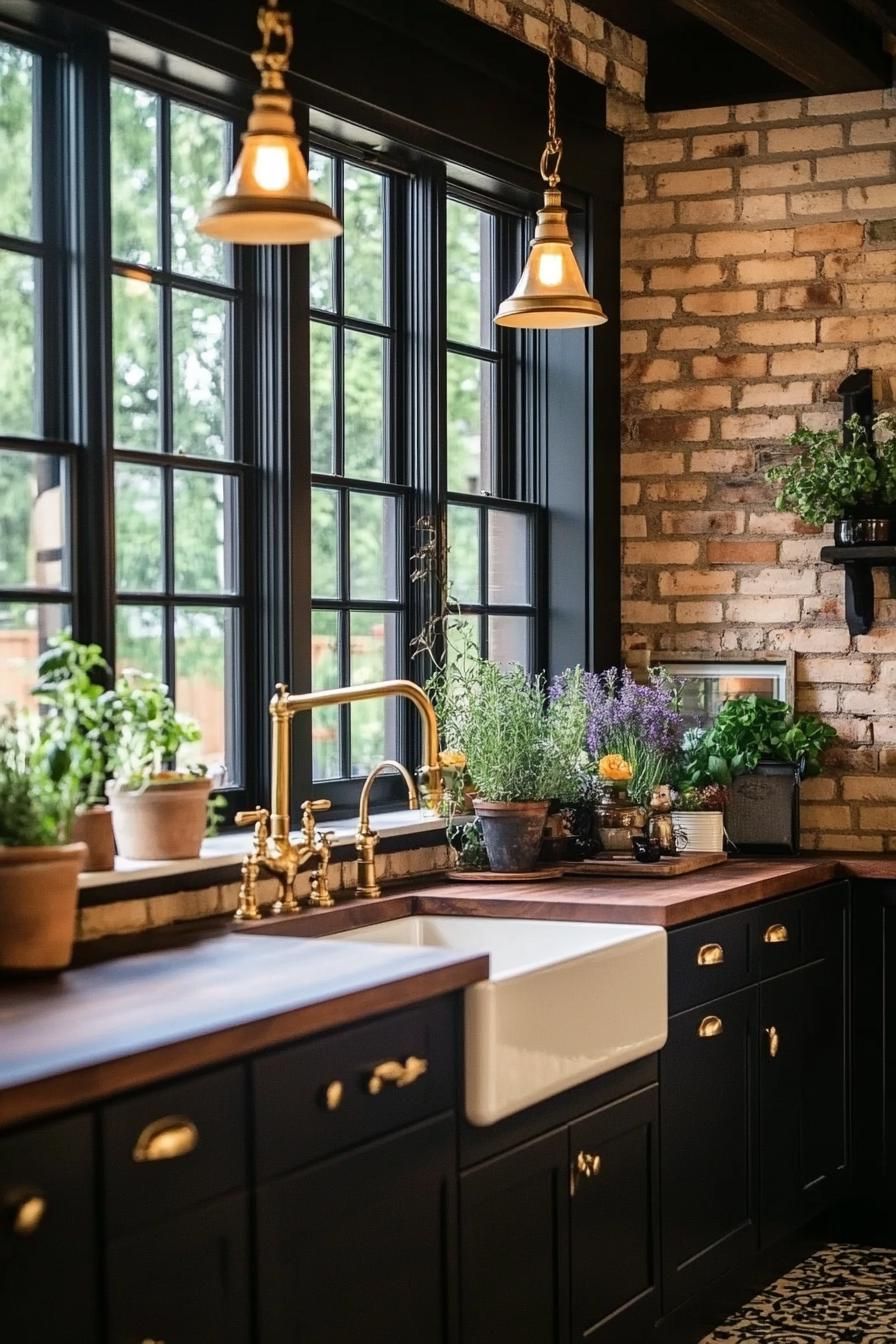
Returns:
(26,1212)
(585,1166)
(710,1026)
(774,1041)
(776,933)
(396,1073)
(161,1140)
(711,954)
(333,1095)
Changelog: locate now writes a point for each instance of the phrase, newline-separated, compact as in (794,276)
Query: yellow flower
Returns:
(614,767)
(452,760)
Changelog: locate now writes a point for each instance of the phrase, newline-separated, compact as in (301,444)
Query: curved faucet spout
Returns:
(364,810)
(367,840)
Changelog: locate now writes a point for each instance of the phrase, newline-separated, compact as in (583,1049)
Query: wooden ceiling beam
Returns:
(826,48)
(882,12)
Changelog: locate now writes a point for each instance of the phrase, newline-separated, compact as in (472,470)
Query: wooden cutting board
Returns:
(623,866)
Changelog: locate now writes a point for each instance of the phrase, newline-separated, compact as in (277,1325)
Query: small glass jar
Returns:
(617,818)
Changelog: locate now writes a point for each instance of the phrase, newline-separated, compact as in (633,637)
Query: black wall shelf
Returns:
(858,563)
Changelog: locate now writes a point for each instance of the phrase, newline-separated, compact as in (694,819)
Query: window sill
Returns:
(220,858)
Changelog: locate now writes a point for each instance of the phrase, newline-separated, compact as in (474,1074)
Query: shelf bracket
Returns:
(859,598)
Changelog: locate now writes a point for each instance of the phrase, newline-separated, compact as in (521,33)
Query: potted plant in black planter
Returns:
(848,480)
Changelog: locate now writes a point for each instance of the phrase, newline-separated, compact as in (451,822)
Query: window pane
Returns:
(324,543)
(321,254)
(373,546)
(138,529)
(135,344)
(25,630)
(205,532)
(33,510)
(200,159)
(201,360)
(508,558)
(470,419)
(19,409)
(18,213)
(463,553)
(509,639)
(322,397)
(139,640)
(373,658)
(470,258)
(325,734)
(204,684)
(463,637)
(364,211)
(365,405)
(135,185)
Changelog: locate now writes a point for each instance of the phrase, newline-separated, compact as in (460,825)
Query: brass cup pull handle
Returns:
(333,1095)
(162,1140)
(776,933)
(711,1026)
(774,1041)
(711,954)
(25,1211)
(585,1167)
(396,1074)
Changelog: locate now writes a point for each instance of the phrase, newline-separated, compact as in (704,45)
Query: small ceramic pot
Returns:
(92,826)
(166,819)
(513,833)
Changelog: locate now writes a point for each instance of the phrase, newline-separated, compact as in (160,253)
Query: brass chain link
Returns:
(553,150)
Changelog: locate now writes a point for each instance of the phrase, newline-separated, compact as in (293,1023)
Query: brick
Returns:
(678,492)
(645,613)
(647,309)
(882,230)
(851,671)
(707,212)
(691,117)
(885,729)
(723,461)
(661,553)
(807,639)
(823,817)
(655,215)
(880,294)
(686,277)
(779,524)
(775,394)
(762,610)
(675,429)
(702,182)
(744,242)
(860,265)
(633,525)
(840,104)
(816,202)
(696,583)
(630,494)
(777,270)
(757,426)
(652,464)
(853,329)
(870,702)
(857,844)
(706,397)
(829,237)
(641,153)
(742,552)
(848,167)
(656,247)
(633,342)
(791,332)
(586,22)
(870,788)
(804,139)
(797,298)
(730,366)
(872,198)
(781,109)
(823,362)
(874,131)
(818,789)
(830,419)
(769,176)
(756,209)
(703,523)
(634,187)
(779,582)
(631,281)
(698,613)
(878,357)
(689,338)
(722,303)
(639,369)
(725,145)
(877,818)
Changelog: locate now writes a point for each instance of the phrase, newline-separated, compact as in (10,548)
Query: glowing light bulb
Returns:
(271,167)
(550,268)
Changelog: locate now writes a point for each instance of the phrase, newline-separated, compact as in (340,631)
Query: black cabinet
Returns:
(363,1247)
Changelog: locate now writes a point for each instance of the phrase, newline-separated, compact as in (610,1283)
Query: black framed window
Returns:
(179,459)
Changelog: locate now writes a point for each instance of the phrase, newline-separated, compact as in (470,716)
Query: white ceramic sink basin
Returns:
(563,1002)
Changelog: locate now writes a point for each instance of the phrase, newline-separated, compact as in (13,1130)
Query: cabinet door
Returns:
(614,1224)
(362,1248)
(514,1221)
(183,1281)
(707,1105)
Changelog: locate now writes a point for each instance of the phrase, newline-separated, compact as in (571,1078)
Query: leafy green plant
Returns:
(145,731)
(835,474)
(73,722)
(749,730)
(37,790)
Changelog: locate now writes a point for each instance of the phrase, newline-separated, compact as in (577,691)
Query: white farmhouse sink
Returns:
(563,1002)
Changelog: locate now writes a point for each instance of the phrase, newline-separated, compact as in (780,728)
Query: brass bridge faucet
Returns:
(274,851)
(367,840)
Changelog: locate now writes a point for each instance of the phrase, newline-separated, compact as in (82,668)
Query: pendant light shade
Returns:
(269,197)
(551,292)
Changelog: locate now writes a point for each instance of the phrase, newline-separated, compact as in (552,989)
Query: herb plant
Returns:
(37,790)
(74,719)
(145,730)
(749,730)
(835,474)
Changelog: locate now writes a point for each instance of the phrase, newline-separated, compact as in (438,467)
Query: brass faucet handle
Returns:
(309,810)
(318,805)
(260,816)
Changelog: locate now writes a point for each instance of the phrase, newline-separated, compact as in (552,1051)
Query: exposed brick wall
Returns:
(759,267)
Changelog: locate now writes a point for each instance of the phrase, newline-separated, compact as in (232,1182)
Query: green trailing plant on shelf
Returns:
(745,732)
(835,475)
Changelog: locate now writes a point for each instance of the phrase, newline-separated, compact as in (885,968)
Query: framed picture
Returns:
(707,682)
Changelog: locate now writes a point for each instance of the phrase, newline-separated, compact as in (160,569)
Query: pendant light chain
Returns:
(553,150)
(273,22)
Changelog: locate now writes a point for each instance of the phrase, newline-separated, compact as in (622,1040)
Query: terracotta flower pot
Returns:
(38,901)
(513,833)
(93,827)
(166,819)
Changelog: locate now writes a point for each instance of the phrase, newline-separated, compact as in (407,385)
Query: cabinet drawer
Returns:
(316,1098)
(47,1237)
(779,935)
(171,1147)
(709,959)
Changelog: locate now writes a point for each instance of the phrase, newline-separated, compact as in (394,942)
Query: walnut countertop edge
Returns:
(123,1023)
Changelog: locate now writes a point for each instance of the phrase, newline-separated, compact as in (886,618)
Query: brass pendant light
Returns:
(551,292)
(269,197)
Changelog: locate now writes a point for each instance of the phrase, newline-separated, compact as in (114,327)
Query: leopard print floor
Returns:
(841,1295)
